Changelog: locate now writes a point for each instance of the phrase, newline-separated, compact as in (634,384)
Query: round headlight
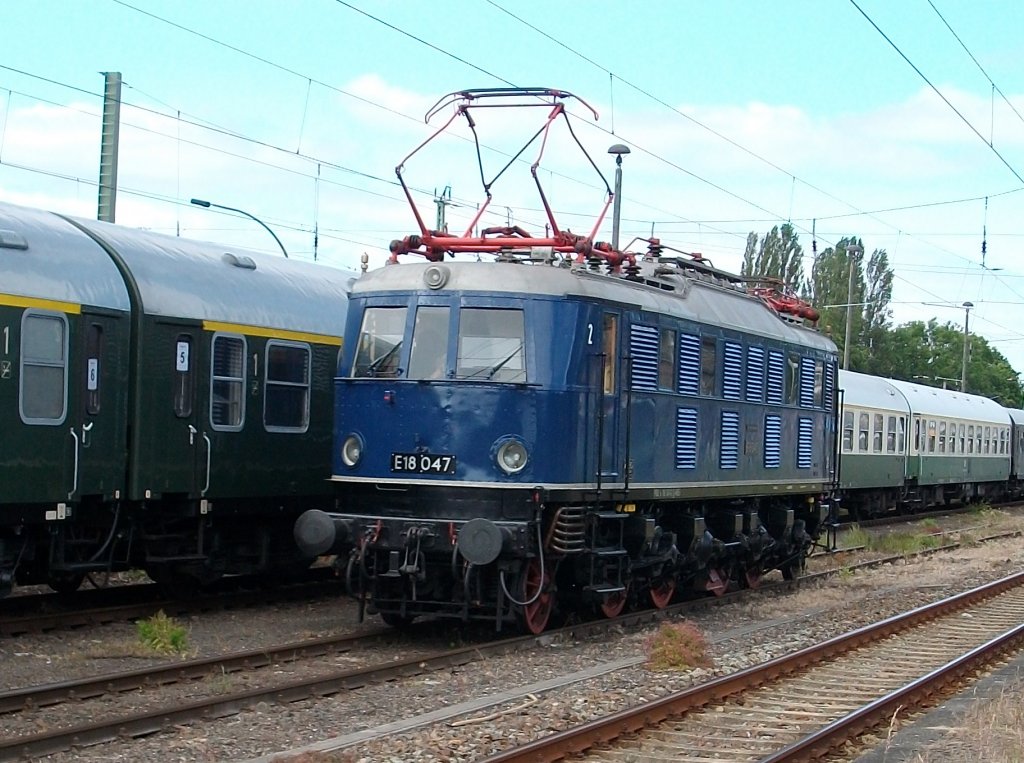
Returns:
(512,457)
(352,450)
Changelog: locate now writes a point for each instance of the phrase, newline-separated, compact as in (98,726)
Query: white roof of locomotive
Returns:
(866,391)
(60,262)
(183,278)
(689,298)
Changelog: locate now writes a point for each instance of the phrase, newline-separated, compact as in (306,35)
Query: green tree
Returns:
(778,255)
(865,298)
(932,353)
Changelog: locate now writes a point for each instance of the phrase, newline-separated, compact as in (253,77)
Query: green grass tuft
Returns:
(162,634)
(677,646)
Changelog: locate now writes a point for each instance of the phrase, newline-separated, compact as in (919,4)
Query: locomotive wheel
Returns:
(718,581)
(662,593)
(614,603)
(753,577)
(397,621)
(536,614)
(65,583)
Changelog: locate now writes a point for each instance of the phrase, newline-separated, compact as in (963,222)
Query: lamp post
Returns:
(852,250)
(208,204)
(963,371)
(618,150)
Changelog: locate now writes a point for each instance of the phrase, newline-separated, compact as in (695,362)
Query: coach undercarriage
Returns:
(566,559)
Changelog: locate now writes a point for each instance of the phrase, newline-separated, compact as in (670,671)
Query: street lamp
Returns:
(618,150)
(208,204)
(852,250)
(963,371)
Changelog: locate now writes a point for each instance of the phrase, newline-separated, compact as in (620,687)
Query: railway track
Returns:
(135,723)
(804,704)
(42,613)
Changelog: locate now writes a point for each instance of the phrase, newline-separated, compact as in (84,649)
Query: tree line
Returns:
(924,352)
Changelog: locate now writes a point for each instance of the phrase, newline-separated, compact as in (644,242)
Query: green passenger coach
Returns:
(166,404)
(906,444)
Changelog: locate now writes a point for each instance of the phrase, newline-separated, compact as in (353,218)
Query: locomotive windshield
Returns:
(491,345)
(380,342)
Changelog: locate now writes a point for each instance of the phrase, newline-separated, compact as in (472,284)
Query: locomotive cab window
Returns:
(491,345)
(428,357)
(43,381)
(380,342)
(286,387)
(227,383)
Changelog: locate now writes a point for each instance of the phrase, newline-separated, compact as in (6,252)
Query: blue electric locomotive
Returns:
(569,427)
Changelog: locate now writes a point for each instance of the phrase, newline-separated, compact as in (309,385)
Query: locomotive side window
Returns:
(183,376)
(708,362)
(43,387)
(428,358)
(776,377)
(93,357)
(819,383)
(491,343)
(608,343)
(755,374)
(227,383)
(380,342)
(667,359)
(286,387)
(793,379)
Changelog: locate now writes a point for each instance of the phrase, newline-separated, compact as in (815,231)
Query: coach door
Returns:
(187,444)
(97,421)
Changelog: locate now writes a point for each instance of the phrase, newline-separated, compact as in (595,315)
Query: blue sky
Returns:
(741,115)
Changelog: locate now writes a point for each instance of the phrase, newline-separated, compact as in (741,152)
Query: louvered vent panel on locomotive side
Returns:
(772,441)
(805,443)
(643,349)
(755,374)
(686,438)
(689,364)
(732,371)
(729,452)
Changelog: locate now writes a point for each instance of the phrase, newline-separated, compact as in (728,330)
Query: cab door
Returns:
(609,385)
(98,419)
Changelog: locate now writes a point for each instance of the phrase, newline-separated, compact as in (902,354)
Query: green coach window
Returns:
(286,387)
(227,383)
(43,390)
